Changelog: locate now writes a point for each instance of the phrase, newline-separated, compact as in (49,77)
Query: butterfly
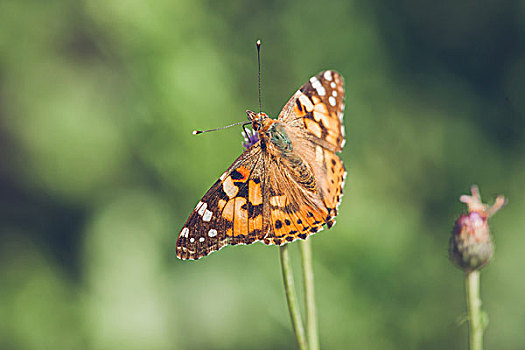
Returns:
(286,185)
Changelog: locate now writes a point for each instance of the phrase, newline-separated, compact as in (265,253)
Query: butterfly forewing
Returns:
(224,215)
(318,108)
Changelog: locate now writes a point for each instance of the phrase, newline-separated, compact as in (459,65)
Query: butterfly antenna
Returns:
(259,66)
(196,132)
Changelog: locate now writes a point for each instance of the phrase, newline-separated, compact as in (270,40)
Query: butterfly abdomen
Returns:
(301,172)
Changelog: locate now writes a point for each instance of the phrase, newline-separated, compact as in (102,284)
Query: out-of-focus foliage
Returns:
(99,170)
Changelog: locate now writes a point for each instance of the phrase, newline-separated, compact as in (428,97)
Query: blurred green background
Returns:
(99,170)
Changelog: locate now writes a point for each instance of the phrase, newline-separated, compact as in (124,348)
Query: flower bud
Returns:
(470,245)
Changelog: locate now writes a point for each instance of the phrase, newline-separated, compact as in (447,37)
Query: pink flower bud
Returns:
(470,245)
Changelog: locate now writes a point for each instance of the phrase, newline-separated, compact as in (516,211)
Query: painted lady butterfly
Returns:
(286,185)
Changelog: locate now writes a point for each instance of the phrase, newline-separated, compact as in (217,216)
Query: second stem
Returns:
(293,305)
(309,295)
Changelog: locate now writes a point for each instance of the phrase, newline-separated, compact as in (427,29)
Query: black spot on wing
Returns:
(255,210)
(243,190)
(299,106)
(236,175)
(218,191)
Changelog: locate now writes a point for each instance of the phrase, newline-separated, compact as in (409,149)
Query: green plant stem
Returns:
(291,298)
(309,295)
(474,311)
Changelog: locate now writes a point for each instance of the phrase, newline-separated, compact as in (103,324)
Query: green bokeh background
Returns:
(99,171)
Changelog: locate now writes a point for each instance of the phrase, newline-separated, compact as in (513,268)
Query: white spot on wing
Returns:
(334,93)
(328,75)
(332,101)
(192,240)
(332,85)
(278,200)
(212,232)
(229,188)
(305,101)
(316,84)
(319,154)
(202,208)
(201,239)
(223,176)
(207,215)
(184,232)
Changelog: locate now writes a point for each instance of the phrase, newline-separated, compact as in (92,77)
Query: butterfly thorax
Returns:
(272,134)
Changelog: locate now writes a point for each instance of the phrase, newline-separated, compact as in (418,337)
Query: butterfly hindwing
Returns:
(293,211)
(331,178)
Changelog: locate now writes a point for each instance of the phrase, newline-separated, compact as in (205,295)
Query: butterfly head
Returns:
(259,120)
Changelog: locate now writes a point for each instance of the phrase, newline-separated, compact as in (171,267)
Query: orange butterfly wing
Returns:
(292,211)
(229,213)
(254,200)
(317,107)
(314,115)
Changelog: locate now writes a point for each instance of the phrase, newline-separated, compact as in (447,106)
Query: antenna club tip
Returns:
(258,42)
(195,132)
